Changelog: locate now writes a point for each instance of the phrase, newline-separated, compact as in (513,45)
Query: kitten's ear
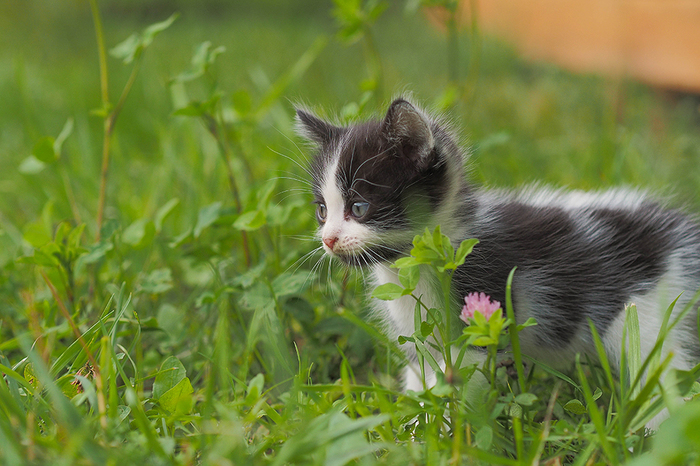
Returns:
(409,129)
(315,129)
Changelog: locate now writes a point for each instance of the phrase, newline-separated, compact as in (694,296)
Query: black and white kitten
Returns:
(579,255)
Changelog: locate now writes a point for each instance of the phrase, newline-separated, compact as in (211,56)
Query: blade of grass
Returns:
(98,376)
(595,414)
(603,359)
(634,349)
(513,332)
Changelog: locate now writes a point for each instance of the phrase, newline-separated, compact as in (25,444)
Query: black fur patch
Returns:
(575,273)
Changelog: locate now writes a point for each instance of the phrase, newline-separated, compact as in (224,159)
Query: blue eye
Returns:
(359,209)
(321,212)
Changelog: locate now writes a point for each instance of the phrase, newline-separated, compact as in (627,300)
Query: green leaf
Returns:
(97,252)
(43,150)
(249,277)
(464,250)
(75,236)
(403,340)
(526,399)
(156,28)
(36,234)
(301,309)
(575,406)
(597,393)
(171,373)
(139,234)
(123,412)
(132,47)
(436,239)
(62,231)
(179,398)
(164,211)
(30,376)
(264,193)
(257,296)
(441,388)
(426,328)
(291,283)
(127,49)
(31,166)
(388,292)
(279,214)
(405,262)
(68,388)
(530,322)
(484,438)
(255,388)
(250,221)
(409,276)
(202,59)
(157,282)
(206,217)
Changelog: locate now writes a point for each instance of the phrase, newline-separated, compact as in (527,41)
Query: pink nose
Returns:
(330,242)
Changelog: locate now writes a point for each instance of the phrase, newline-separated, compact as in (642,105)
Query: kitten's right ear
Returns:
(410,130)
(315,129)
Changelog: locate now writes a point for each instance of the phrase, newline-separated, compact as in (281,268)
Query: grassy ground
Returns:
(205,337)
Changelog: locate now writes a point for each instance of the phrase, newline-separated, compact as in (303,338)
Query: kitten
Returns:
(579,255)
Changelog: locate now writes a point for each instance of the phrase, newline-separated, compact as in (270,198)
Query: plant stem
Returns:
(446,282)
(106,142)
(212,125)
(513,331)
(492,365)
(125,92)
(109,123)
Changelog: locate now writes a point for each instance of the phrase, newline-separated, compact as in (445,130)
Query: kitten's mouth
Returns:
(370,257)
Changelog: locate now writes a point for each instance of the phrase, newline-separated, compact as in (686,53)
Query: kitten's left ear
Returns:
(316,129)
(408,127)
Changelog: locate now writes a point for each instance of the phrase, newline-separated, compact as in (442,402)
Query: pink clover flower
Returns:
(478,302)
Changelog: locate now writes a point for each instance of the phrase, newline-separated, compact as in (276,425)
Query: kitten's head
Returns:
(379,183)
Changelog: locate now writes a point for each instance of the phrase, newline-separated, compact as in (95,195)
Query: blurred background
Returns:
(582,130)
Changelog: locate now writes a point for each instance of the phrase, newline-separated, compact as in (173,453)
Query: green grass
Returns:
(172,340)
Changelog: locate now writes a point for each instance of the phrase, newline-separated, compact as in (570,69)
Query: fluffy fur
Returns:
(579,255)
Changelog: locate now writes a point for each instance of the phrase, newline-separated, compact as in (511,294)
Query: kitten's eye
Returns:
(321,212)
(359,209)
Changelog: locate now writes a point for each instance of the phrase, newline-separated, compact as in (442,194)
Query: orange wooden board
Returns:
(656,41)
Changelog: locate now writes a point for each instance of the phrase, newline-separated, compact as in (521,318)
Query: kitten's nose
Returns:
(330,242)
